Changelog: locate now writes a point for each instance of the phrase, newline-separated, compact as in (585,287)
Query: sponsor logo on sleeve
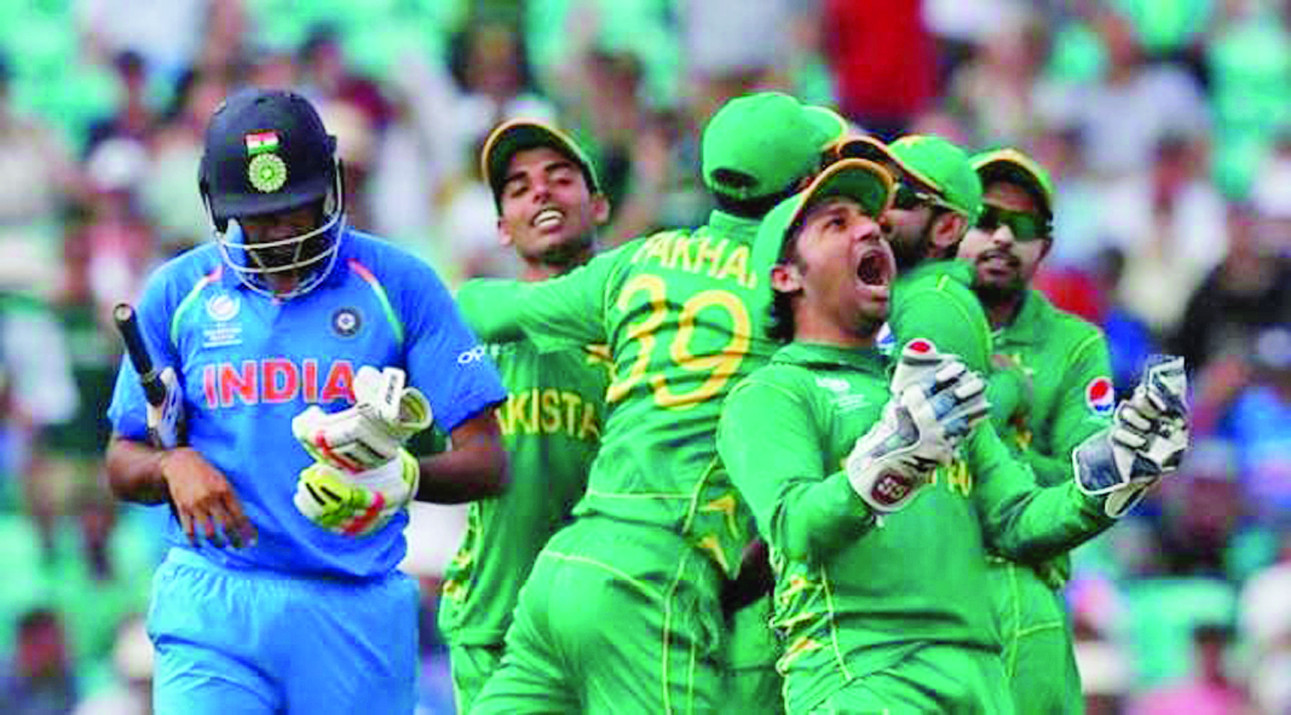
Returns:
(1100,396)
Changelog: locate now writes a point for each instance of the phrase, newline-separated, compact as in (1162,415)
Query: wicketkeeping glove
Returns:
(357,504)
(1147,439)
(385,414)
(938,405)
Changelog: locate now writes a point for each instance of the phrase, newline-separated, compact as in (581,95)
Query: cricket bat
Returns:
(160,387)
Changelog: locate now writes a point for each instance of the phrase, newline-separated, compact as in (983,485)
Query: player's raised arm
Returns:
(562,312)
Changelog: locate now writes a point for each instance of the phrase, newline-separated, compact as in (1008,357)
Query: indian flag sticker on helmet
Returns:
(267,172)
(261,143)
(1100,396)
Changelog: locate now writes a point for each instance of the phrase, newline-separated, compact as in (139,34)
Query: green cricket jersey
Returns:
(685,314)
(853,596)
(551,427)
(1072,396)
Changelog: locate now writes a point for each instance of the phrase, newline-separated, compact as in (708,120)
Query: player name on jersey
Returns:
(276,380)
(721,258)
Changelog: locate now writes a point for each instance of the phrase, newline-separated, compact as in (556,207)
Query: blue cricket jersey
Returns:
(249,363)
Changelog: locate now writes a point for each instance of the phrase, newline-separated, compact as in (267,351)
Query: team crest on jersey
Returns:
(346,322)
(1100,396)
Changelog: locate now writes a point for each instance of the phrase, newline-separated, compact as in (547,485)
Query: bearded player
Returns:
(621,612)
(1064,364)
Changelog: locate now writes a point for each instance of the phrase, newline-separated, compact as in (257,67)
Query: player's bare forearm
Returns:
(475,467)
(134,471)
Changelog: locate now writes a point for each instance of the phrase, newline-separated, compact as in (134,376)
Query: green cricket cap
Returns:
(514,136)
(863,181)
(760,144)
(864,146)
(1013,166)
(945,167)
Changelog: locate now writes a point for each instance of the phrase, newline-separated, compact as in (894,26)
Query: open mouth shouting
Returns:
(875,270)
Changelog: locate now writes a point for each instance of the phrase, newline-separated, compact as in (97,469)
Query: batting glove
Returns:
(356,504)
(1147,439)
(371,432)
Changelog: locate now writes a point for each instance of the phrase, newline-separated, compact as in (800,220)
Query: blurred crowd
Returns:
(1166,124)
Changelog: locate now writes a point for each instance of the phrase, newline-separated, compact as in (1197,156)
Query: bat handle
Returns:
(149,378)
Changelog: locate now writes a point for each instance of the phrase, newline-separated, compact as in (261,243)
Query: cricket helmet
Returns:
(266,151)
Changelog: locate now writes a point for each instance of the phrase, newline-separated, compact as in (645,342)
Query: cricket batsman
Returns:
(1064,366)
(876,556)
(621,611)
(303,353)
(549,206)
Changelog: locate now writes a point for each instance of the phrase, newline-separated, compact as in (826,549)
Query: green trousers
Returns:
(752,684)
(472,665)
(930,679)
(1039,657)
(614,618)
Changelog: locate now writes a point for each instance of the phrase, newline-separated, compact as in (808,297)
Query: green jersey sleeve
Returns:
(941,309)
(771,446)
(561,313)
(1076,416)
(1020,519)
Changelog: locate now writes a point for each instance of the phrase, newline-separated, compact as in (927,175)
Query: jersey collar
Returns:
(832,356)
(743,230)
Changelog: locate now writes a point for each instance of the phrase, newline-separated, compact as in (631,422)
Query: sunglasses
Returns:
(1025,226)
(907,198)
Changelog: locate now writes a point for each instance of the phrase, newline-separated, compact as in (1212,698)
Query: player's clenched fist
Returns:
(203,500)
(357,504)
(936,402)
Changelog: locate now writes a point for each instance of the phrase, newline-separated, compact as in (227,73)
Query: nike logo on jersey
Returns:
(276,380)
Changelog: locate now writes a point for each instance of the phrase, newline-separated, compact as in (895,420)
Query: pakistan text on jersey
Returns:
(276,380)
(720,259)
(550,411)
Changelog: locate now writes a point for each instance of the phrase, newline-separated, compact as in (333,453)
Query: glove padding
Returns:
(371,433)
(1147,439)
(937,406)
(357,504)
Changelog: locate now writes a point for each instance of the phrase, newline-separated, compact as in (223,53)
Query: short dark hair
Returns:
(752,208)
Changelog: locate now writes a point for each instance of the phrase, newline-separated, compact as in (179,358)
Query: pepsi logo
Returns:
(1100,396)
